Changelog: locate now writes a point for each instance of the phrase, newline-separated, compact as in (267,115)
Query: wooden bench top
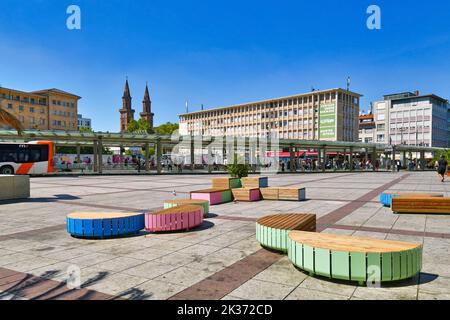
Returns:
(101,215)
(210,190)
(287,221)
(346,243)
(414,194)
(178,209)
(186,201)
(243,189)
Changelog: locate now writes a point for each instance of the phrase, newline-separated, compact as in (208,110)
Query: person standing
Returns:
(442,167)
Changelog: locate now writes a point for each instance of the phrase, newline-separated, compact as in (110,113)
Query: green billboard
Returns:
(327,122)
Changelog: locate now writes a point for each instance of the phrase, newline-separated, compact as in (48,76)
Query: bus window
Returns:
(39,153)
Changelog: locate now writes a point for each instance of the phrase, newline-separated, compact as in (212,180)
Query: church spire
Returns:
(126,112)
(146,113)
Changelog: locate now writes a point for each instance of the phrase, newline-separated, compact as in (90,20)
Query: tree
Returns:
(84,129)
(238,170)
(167,128)
(141,126)
(133,126)
(10,120)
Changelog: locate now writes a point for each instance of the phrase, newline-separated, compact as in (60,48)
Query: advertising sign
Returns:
(327,123)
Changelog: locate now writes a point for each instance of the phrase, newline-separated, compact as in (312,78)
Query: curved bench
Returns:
(182,217)
(272,231)
(353,258)
(179,202)
(104,224)
(424,205)
(386,197)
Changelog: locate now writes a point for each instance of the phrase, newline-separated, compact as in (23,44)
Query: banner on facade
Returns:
(327,123)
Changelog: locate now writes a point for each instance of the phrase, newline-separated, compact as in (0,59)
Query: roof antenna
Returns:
(348,83)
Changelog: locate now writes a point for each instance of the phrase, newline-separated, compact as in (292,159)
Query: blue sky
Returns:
(221,52)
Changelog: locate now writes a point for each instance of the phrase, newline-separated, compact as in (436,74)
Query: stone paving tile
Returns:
(149,270)
(34,263)
(116,283)
(119,264)
(152,290)
(330,286)
(282,272)
(257,289)
(184,276)
(309,294)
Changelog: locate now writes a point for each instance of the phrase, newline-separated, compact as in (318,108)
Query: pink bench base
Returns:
(173,221)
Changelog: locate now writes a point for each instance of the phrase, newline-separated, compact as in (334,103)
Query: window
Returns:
(20,108)
(10,106)
(381,116)
(21,119)
(32,109)
(31,120)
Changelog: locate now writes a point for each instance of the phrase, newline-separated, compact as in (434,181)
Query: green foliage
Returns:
(133,126)
(440,153)
(86,130)
(236,169)
(167,128)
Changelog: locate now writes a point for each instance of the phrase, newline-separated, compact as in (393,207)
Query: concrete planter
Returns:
(14,187)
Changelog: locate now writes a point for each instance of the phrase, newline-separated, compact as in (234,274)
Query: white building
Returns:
(413,119)
(84,122)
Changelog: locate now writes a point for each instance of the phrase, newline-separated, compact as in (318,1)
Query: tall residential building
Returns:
(412,118)
(50,109)
(326,115)
(127,111)
(84,123)
(367,127)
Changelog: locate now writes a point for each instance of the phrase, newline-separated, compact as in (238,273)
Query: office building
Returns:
(50,109)
(317,115)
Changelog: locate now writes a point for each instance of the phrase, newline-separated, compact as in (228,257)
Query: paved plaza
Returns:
(221,259)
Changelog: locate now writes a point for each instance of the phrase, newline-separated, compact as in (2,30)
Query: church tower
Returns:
(126,113)
(146,113)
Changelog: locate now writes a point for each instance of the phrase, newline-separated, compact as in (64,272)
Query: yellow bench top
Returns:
(337,242)
(101,215)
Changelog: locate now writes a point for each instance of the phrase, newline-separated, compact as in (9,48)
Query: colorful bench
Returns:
(179,202)
(272,231)
(255,182)
(226,183)
(182,217)
(104,224)
(386,197)
(269,193)
(246,194)
(213,195)
(354,258)
(426,205)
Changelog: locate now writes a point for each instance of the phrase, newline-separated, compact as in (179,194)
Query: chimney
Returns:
(416,93)
(371,108)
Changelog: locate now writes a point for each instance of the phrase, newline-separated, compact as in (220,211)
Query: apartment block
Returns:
(330,115)
(413,119)
(367,132)
(50,109)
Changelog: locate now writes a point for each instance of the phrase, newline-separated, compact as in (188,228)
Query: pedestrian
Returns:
(442,167)
(399,164)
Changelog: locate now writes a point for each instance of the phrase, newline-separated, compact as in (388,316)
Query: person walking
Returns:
(442,167)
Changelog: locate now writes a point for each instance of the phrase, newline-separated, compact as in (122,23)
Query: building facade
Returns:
(84,123)
(50,109)
(317,115)
(367,127)
(414,119)
(127,111)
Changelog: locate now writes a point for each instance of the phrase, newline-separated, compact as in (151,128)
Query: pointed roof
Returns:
(126,91)
(146,94)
